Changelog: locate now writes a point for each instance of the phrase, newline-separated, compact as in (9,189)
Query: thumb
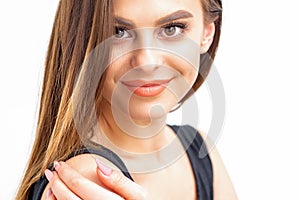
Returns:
(119,183)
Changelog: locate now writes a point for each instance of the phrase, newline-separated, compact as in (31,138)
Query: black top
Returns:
(192,142)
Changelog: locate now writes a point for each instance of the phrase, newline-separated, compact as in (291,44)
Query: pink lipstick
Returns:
(146,88)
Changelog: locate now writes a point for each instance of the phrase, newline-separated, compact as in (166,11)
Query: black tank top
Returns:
(192,142)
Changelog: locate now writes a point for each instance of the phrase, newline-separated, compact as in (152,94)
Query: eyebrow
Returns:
(180,14)
(123,21)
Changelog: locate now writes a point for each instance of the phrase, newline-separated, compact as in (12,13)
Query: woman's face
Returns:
(156,53)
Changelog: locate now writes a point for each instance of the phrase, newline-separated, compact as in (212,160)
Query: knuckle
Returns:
(140,194)
(119,179)
(75,182)
(62,171)
(54,183)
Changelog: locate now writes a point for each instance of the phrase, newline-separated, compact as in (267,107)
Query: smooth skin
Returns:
(81,177)
(87,186)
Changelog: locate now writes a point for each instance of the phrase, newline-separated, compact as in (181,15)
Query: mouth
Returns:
(146,88)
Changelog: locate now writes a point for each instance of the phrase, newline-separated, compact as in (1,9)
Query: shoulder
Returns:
(85,159)
(85,164)
(223,187)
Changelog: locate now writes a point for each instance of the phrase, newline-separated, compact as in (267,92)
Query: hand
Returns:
(67,183)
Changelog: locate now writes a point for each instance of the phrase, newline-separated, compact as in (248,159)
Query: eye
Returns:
(121,33)
(169,31)
(173,30)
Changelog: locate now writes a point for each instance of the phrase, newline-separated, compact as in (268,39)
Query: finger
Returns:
(81,186)
(49,195)
(119,183)
(58,190)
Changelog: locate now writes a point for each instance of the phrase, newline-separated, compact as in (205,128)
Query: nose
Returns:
(146,59)
(146,56)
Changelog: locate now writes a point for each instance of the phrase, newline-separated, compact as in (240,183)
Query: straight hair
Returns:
(79,26)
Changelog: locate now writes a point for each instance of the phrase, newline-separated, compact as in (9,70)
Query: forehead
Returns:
(146,12)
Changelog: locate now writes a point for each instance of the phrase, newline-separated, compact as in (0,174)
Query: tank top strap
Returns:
(38,187)
(199,159)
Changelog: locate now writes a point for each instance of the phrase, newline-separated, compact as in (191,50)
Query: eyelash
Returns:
(123,28)
(182,26)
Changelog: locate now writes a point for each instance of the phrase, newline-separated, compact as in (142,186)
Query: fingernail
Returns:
(49,194)
(104,169)
(48,174)
(56,165)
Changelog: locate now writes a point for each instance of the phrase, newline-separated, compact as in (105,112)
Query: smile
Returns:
(146,88)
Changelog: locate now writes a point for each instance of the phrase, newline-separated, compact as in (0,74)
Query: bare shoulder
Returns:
(86,165)
(223,187)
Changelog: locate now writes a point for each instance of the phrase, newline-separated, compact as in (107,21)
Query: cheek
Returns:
(107,89)
(111,79)
(117,69)
(185,69)
(185,58)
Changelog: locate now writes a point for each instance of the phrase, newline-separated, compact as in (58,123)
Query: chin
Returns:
(148,111)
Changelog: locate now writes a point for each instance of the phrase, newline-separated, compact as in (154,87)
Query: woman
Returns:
(112,75)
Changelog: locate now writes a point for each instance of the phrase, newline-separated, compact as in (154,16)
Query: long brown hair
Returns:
(79,26)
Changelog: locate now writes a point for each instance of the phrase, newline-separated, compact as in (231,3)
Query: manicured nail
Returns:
(104,169)
(48,174)
(49,194)
(56,165)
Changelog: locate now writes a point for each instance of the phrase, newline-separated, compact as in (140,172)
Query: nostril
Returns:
(149,68)
(146,58)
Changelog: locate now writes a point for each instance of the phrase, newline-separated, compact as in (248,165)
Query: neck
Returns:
(124,134)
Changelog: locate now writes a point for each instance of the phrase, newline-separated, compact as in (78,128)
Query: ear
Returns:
(207,37)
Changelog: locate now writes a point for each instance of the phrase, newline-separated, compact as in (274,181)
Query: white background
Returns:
(258,61)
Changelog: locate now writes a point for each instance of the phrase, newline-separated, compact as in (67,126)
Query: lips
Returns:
(146,88)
